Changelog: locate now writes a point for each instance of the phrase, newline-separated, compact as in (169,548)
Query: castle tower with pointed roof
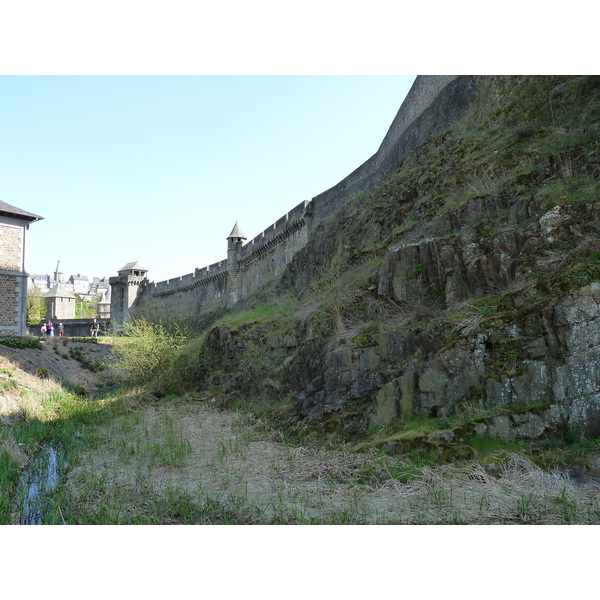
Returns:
(103,307)
(235,242)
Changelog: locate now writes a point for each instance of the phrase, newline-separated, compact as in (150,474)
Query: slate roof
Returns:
(59,291)
(12,211)
(132,266)
(236,232)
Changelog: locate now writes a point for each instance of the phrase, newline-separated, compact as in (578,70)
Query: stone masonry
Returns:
(14,225)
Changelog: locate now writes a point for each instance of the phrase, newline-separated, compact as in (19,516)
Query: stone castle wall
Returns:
(431,106)
(220,285)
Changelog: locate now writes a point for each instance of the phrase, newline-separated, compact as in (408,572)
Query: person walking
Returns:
(49,329)
(61,330)
(95,329)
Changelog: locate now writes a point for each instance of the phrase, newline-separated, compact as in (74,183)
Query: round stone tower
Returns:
(103,309)
(235,241)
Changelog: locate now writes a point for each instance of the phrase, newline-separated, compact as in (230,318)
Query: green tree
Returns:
(35,307)
(85,309)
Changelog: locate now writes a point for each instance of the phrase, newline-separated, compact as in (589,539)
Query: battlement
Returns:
(287,224)
(186,282)
(283,227)
(211,272)
(127,280)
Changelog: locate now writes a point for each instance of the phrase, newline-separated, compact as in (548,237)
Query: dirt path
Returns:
(210,456)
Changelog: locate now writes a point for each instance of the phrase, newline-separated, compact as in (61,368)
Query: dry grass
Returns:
(13,401)
(267,481)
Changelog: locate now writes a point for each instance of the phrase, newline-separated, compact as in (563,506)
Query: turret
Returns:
(103,307)
(235,241)
(125,289)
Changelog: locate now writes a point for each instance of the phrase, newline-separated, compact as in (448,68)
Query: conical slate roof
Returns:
(59,291)
(236,232)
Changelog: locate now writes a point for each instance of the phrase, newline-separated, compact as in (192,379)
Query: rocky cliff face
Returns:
(463,286)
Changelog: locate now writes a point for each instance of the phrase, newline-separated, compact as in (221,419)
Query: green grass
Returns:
(9,472)
(485,446)
(173,448)
(77,353)
(281,307)
(7,385)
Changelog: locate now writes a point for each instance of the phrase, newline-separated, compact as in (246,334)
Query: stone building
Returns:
(60,303)
(14,226)
(79,284)
(41,282)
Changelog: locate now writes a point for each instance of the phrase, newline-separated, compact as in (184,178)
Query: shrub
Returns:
(41,372)
(12,342)
(148,348)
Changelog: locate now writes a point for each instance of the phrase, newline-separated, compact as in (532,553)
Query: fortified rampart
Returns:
(431,106)
(247,267)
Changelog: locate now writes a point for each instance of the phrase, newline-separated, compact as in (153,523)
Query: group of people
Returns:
(49,329)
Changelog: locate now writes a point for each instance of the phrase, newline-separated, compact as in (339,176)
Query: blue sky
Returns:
(159,168)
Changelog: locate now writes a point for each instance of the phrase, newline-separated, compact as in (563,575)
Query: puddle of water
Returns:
(41,478)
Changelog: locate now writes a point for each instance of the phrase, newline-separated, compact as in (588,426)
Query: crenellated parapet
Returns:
(240,255)
(187,282)
(291,222)
(127,281)
(211,273)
